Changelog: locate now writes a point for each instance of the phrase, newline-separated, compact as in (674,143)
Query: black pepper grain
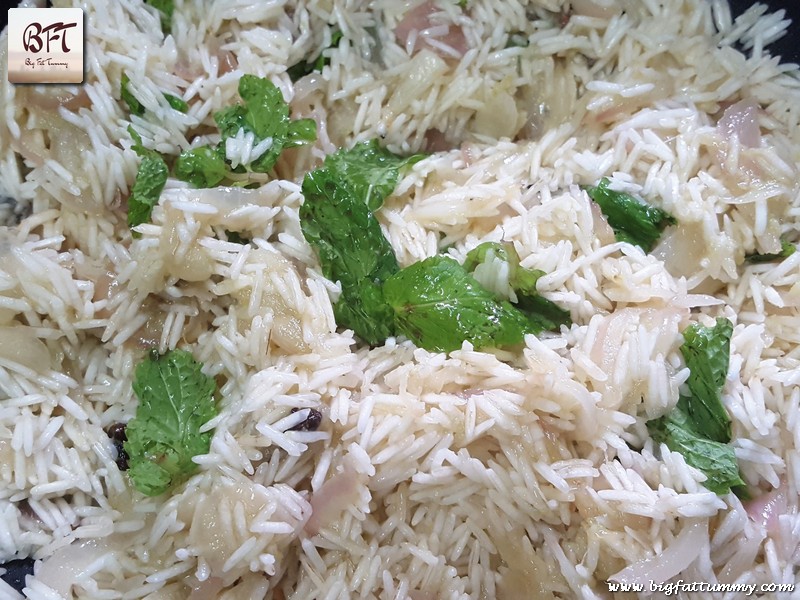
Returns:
(311,423)
(116,433)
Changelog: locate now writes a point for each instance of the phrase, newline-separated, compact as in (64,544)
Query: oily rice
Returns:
(520,473)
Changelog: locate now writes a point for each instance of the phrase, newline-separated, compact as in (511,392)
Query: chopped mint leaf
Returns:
(236,237)
(177,103)
(438,305)
(371,172)
(519,278)
(337,220)
(166,8)
(352,250)
(203,167)
(134,106)
(137,108)
(150,181)
(303,68)
(787,249)
(632,220)
(175,400)
(706,351)
(699,427)
(301,132)
(548,315)
(137,143)
(266,114)
(717,460)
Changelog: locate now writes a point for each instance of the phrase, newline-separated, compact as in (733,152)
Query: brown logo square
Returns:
(45,45)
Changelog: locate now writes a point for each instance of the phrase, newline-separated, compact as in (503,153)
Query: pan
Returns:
(788,47)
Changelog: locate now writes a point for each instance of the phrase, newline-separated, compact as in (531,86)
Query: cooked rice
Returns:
(469,475)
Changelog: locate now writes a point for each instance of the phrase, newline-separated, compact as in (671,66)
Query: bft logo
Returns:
(45,45)
(32,37)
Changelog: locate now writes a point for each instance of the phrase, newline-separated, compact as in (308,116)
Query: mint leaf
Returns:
(787,249)
(546,314)
(236,237)
(699,427)
(520,279)
(178,104)
(371,172)
(337,220)
(166,8)
(137,143)
(300,132)
(137,108)
(363,308)
(632,220)
(175,400)
(134,106)
(265,114)
(303,68)
(203,167)
(438,305)
(351,249)
(706,351)
(715,459)
(230,120)
(150,181)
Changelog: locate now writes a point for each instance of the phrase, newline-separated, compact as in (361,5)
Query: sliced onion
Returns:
(680,248)
(469,153)
(21,345)
(498,117)
(206,590)
(331,499)
(423,71)
(227,62)
(747,549)
(185,70)
(550,101)
(526,575)
(52,99)
(418,21)
(435,141)
(767,508)
(681,553)
(602,230)
(29,150)
(741,120)
(226,59)
(610,334)
(305,86)
(63,568)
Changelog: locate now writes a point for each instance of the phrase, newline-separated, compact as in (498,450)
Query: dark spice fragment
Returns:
(117,434)
(311,423)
